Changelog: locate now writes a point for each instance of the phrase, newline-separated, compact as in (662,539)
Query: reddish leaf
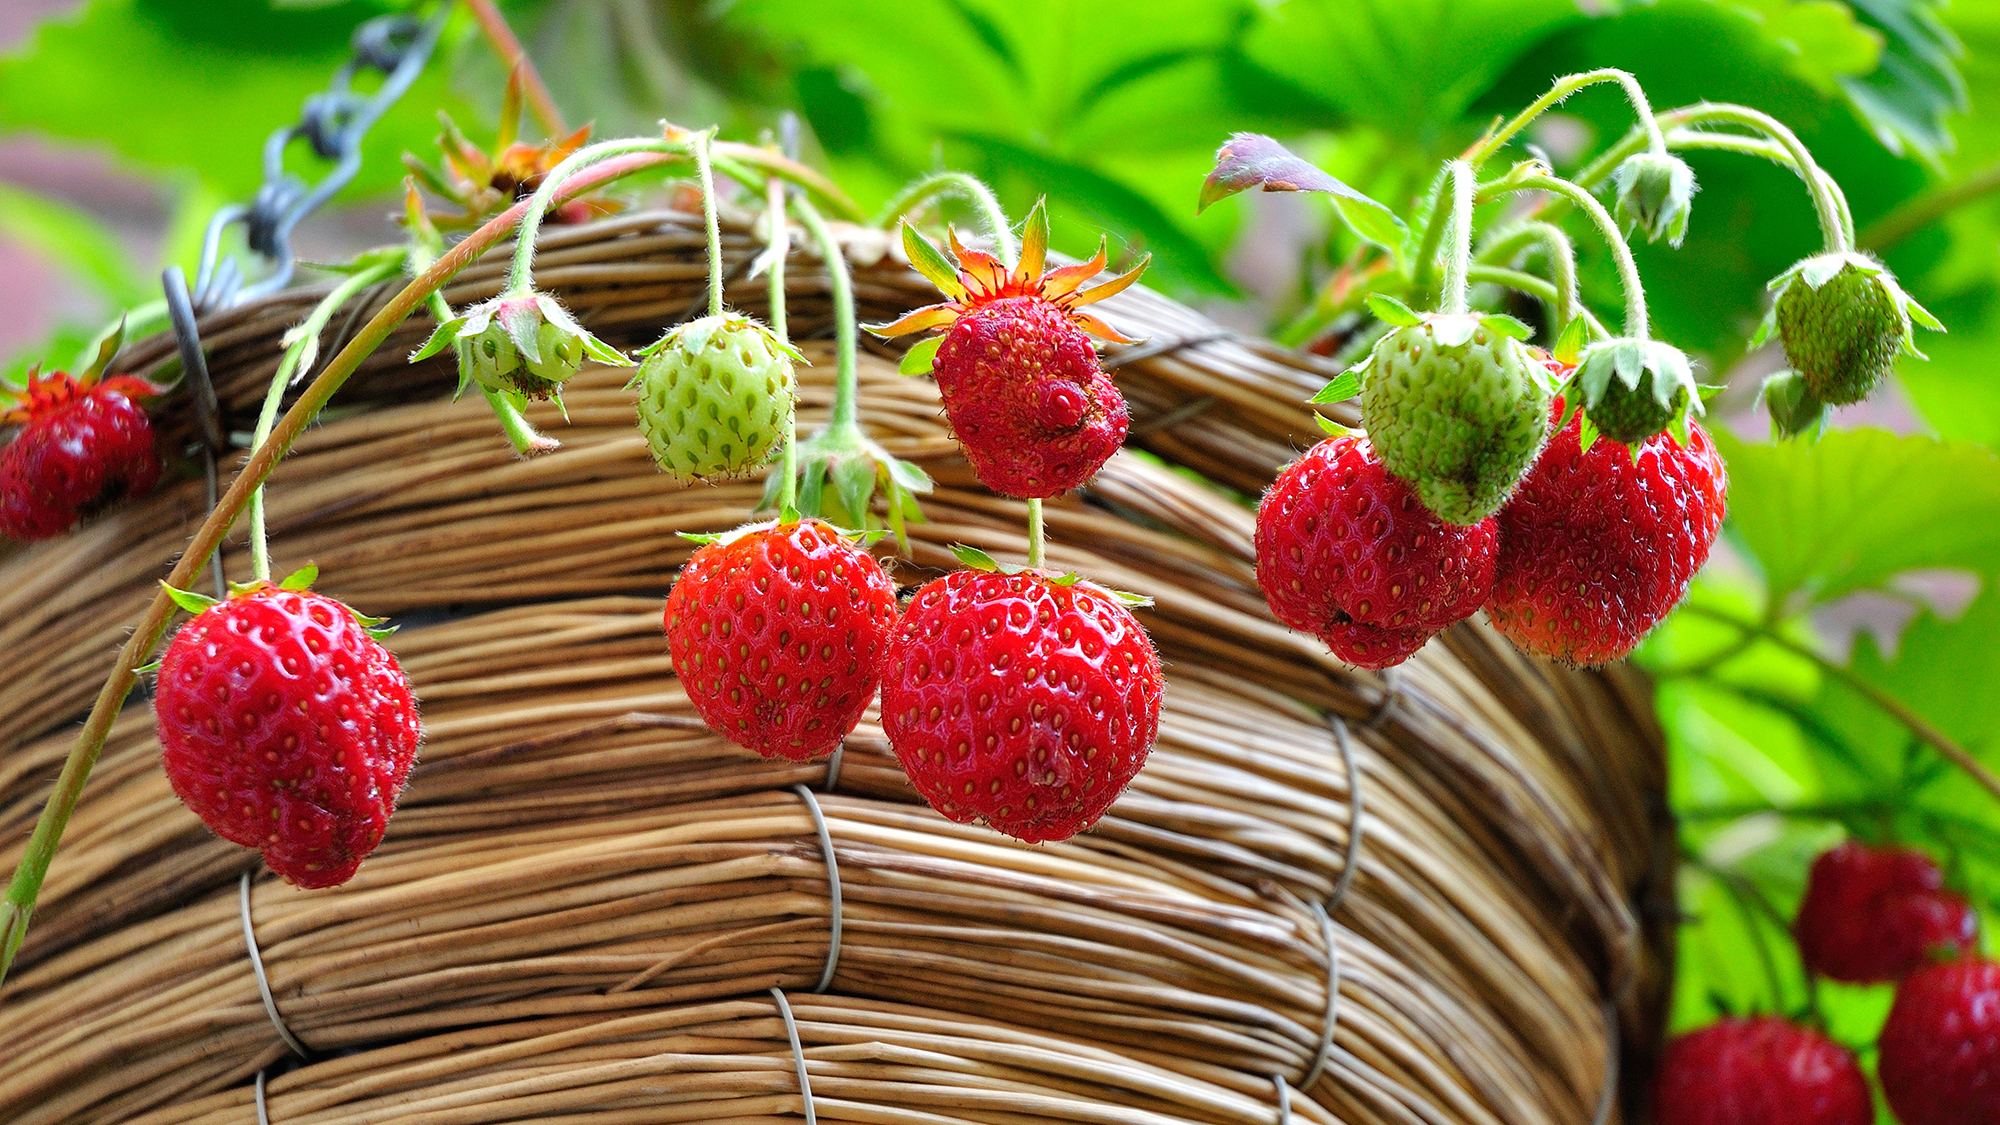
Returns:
(1250,160)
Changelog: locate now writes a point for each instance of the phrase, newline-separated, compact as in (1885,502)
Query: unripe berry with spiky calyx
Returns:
(1023,387)
(1345,552)
(1457,408)
(1842,318)
(715,397)
(1632,390)
(1655,195)
(520,344)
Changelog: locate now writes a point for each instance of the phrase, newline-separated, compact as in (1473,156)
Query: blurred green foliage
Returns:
(1113,109)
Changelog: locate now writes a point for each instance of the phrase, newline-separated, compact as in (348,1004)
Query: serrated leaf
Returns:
(1389,310)
(921,356)
(1248,160)
(300,579)
(974,558)
(188,599)
(1340,388)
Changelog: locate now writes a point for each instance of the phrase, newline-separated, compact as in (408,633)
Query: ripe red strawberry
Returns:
(286,726)
(84,442)
(1346,552)
(778,635)
(1940,1049)
(1021,384)
(1597,545)
(1759,1071)
(1878,914)
(1021,701)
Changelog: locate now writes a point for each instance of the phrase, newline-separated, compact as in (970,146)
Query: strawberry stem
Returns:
(1563,88)
(18,905)
(507,46)
(1834,224)
(707,173)
(781,248)
(1459,180)
(1636,325)
(1555,242)
(841,289)
(305,340)
(521,277)
(1034,533)
(965,187)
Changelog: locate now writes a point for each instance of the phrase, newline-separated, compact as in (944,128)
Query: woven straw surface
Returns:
(586,895)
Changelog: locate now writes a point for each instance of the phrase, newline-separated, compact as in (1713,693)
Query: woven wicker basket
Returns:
(586,898)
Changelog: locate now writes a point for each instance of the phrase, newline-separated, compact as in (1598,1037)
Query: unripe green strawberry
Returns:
(1457,408)
(1633,390)
(521,344)
(1842,318)
(1655,195)
(715,397)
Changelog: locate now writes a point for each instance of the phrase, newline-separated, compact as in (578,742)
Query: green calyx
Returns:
(715,397)
(840,469)
(1842,319)
(975,559)
(1456,407)
(1655,195)
(519,344)
(299,580)
(1631,390)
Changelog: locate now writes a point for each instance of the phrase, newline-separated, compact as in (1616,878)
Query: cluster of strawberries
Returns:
(1022,698)
(84,441)
(1869,916)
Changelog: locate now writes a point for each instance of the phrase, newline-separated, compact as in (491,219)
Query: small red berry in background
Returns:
(778,636)
(1940,1050)
(1759,1071)
(84,442)
(1878,914)
(1347,553)
(1020,701)
(1597,546)
(286,727)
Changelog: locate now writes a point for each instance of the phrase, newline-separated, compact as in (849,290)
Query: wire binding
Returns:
(264,983)
(1332,1000)
(1345,742)
(833,888)
(798,1054)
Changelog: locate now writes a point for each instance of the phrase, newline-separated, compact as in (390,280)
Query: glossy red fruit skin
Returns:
(67,463)
(1940,1049)
(1027,397)
(1019,702)
(778,636)
(1346,552)
(1759,1071)
(1596,548)
(286,727)
(1878,914)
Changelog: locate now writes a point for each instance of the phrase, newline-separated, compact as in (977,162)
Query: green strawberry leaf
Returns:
(1500,324)
(702,537)
(149,667)
(788,515)
(1127,597)
(1389,310)
(930,261)
(1333,428)
(1341,388)
(302,579)
(921,356)
(188,599)
(1066,580)
(974,558)
(1570,343)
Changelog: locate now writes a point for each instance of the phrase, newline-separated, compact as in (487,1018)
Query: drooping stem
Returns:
(701,143)
(1833,224)
(1035,537)
(968,188)
(17,907)
(781,248)
(1895,708)
(1459,181)
(1562,265)
(512,56)
(1541,289)
(1628,270)
(521,277)
(306,341)
(1563,88)
(846,392)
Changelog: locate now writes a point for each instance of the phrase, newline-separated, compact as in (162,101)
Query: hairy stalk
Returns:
(965,187)
(781,248)
(1561,252)
(750,166)
(1563,88)
(707,174)
(508,47)
(1628,270)
(1895,708)
(18,905)
(1460,181)
(307,339)
(1541,289)
(521,277)
(1035,537)
(846,409)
